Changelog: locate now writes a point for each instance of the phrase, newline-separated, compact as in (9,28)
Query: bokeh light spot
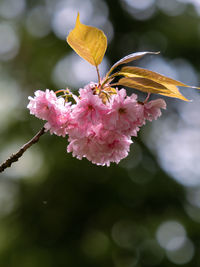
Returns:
(140,10)
(127,234)
(171,7)
(182,255)
(75,72)
(171,235)
(10,9)
(142,4)
(63,19)
(9,107)
(38,22)
(9,42)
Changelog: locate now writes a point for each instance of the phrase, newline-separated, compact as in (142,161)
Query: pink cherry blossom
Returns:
(101,146)
(80,146)
(152,109)
(110,146)
(89,109)
(57,113)
(42,105)
(60,118)
(88,89)
(100,132)
(123,114)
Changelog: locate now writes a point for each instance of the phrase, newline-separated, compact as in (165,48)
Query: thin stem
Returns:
(106,80)
(17,155)
(61,90)
(147,98)
(99,78)
(110,71)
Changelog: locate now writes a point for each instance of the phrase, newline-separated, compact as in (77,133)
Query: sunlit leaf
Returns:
(131,57)
(135,71)
(147,80)
(149,83)
(174,91)
(149,87)
(88,42)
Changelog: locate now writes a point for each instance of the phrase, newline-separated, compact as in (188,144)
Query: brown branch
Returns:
(16,156)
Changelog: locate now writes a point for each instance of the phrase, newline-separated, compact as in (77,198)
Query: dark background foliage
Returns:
(58,211)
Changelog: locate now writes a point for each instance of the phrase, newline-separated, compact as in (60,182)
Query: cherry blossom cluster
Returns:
(99,126)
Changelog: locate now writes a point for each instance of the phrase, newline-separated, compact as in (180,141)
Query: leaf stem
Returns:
(17,155)
(99,78)
(106,80)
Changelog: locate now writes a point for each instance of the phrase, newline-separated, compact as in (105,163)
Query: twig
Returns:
(16,156)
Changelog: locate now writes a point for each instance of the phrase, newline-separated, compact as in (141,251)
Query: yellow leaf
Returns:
(135,71)
(152,87)
(129,58)
(149,83)
(88,42)
(174,91)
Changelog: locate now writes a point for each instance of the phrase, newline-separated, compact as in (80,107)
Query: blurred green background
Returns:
(57,211)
